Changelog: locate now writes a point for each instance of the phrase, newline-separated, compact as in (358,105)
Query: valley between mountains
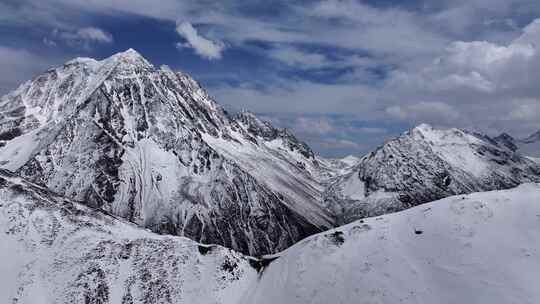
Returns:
(122,182)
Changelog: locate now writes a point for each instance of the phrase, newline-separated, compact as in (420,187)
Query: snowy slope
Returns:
(54,250)
(149,144)
(425,164)
(478,248)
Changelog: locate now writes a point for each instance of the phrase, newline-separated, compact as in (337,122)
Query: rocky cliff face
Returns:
(426,164)
(146,144)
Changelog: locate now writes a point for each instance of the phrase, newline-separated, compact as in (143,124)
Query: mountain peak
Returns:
(129,53)
(423,126)
(149,145)
(130,57)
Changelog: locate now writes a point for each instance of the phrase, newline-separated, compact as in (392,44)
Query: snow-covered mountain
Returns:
(479,248)
(423,165)
(54,250)
(149,145)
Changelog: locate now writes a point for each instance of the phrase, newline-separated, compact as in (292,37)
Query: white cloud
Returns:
(204,47)
(476,84)
(526,110)
(307,125)
(371,130)
(295,57)
(331,143)
(21,65)
(453,61)
(49,42)
(300,97)
(432,112)
(94,34)
(79,37)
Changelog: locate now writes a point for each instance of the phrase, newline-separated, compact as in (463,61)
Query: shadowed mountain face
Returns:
(148,144)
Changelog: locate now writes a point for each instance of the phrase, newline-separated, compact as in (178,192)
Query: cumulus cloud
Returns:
(204,47)
(476,84)
(469,84)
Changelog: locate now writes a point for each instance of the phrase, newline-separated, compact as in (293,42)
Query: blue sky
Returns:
(344,75)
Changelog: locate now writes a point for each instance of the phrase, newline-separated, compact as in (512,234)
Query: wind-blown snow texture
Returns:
(151,146)
(426,164)
(479,248)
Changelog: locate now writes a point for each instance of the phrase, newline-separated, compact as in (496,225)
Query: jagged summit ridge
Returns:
(147,144)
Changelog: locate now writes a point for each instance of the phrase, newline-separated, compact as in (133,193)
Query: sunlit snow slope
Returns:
(478,248)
